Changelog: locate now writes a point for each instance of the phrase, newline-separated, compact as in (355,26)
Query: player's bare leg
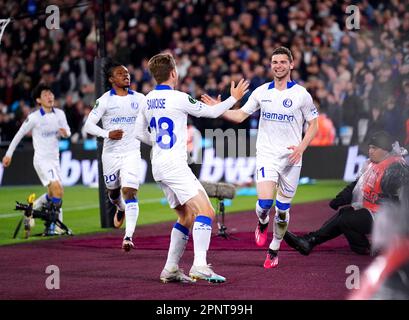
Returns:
(116,199)
(281,221)
(131,216)
(265,192)
(202,231)
(178,240)
(55,194)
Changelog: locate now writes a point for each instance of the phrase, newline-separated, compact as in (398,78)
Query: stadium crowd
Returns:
(359,78)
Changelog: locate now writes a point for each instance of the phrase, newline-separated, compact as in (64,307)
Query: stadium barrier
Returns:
(80,167)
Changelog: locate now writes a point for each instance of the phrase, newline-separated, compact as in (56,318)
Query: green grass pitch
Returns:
(81,207)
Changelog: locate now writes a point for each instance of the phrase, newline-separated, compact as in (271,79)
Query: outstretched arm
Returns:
(236,116)
(216,110)
(24,129)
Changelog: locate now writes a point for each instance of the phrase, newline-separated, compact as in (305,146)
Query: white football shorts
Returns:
(47,170)
(179,184)
(121,170)
(287,177)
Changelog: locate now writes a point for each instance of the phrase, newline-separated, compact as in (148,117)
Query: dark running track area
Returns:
(94,267)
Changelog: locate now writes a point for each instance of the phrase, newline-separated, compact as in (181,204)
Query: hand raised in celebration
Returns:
(241,89)
(211,101)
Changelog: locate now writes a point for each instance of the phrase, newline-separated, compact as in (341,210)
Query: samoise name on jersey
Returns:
(156,103)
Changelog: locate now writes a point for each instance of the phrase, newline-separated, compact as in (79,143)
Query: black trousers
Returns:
(354,224)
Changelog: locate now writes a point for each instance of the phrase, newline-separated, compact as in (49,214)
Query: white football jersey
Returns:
(166,114)
(282,114)
(45,132)
(116,112)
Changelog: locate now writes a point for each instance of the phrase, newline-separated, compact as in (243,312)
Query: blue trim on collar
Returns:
(163,87)
(290,84)
(42,112)
(112,92)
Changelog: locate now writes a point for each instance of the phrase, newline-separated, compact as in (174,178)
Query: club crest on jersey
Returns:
(287,103)
(192,100)
(134,105)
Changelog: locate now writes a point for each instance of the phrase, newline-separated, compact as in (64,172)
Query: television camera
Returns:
(48,214)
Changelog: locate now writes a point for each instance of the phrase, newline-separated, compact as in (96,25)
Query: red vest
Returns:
(372,182)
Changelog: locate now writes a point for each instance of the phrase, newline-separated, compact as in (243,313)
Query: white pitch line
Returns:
(11,215)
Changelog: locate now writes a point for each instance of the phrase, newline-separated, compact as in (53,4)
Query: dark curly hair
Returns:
(36,93)
(109,67)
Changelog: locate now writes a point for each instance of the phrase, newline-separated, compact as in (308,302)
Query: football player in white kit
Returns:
(166,114)
(118,110)
(47,124)
(284,106)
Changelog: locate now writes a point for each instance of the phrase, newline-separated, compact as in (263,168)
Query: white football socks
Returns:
(131,216)
(263,214)
(41,201)
(281,220)
(178,240)
(118,202)
(202,231)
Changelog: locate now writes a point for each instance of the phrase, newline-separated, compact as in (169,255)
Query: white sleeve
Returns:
(200,109)
(308,109)
(26,127)
(64,124)
(252,104)
(141,126)
(141,130)
(94,116)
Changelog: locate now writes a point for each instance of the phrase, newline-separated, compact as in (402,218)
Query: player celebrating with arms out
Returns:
(47,125)
(166,114)
(118,110)
(285,106)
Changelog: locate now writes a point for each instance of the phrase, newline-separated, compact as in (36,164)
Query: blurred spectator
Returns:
(352,111)
(403,101)
(73,117)
(194,142)
(376,123)
(326,130)
(394,122)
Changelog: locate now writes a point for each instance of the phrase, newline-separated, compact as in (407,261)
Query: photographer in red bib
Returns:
(380,179)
